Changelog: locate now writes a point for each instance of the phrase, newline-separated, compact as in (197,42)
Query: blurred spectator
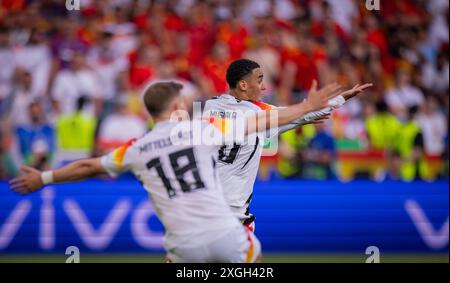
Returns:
(200,31)
(166,72)
(410,148)
(8,168)
(436,78)
(375,34)
(65,43)
(35,57)
(235,35)
(382,128)
(108,65)
(394,167)
(37,139)
(320,156)
(292,145)
(301,58)
(75,134)
(438,29)
(344,12)
(281,9)
(142,68)
(8,65)
(433,124)
(325,26)
(403,96)
(213,70)
(124,31)
(21,97)
(268,58)
(180,57)
(115,48)
(74,82)
(112,134)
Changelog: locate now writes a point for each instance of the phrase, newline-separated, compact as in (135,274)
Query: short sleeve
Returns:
(337,101)
(120,159)
(220,131)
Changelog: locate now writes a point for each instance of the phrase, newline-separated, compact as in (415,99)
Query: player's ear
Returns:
(173,105)
(242,85)
(178,110)
(180,104)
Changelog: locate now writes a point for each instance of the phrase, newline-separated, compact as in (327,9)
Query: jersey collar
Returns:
(163,123)
(229,96)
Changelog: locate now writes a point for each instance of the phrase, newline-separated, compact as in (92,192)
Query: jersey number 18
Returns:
(180,171)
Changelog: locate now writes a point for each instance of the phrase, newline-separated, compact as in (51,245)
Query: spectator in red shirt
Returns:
(235,35)
(300,69)
(143,69)
(214,70)
(201,32)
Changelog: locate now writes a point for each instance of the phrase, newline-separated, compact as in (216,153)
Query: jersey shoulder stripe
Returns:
(262,105)
(119,153)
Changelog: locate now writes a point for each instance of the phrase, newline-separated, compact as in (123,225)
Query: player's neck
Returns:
(169,116)
(239,95)
(161,118)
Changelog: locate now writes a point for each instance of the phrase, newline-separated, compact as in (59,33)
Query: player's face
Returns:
(179,111)
(255,84)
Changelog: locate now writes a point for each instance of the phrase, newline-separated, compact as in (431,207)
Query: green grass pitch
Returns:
(267,258)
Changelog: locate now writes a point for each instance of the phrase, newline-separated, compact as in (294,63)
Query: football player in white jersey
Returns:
(238,163)
(180,175)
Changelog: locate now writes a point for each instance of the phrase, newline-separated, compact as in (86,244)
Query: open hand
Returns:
(318,99)
(29,181)
(357,89)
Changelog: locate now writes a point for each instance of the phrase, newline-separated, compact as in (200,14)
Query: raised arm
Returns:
(336,102)
(316,100)
(320,115)
(32,179)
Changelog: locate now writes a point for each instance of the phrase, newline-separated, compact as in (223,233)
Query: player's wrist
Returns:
(337,101)
(47,177)
(306,106)
(348,96)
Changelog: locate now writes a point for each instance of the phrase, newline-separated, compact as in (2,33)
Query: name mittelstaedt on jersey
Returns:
(180,177)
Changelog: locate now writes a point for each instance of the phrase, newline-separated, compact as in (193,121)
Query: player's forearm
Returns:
(335,102)
(288,115)
(308,118)
(274,118)
(78,171)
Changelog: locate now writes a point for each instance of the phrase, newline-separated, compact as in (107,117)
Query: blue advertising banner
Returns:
(291,216)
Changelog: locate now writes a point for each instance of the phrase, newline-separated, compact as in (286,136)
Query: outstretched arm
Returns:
(316,100)
(323,114)
(336,102)
(32,179)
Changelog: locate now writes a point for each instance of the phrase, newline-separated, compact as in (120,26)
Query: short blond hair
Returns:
(158,96)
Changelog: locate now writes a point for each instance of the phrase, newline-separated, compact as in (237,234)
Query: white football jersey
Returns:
(181,180)
(238,165)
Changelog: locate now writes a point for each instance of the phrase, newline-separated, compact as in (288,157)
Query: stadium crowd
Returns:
(71,81)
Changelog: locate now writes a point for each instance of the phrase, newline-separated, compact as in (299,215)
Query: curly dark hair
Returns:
(238,69)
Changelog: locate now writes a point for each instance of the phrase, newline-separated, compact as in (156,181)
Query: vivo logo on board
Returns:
(94,238)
